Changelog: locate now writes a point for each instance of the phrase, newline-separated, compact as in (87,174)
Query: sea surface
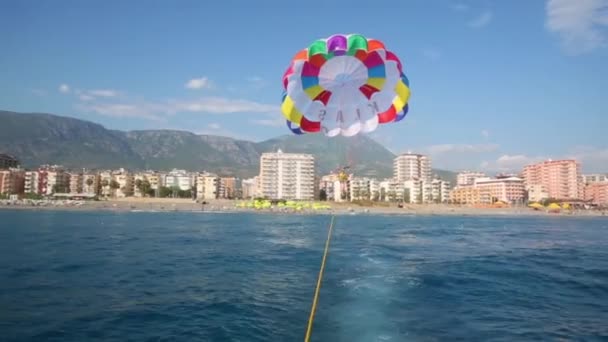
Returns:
(106,276)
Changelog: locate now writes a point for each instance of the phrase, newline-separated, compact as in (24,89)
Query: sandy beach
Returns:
(188,205)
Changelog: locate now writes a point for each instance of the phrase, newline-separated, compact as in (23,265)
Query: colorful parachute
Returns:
(344,85)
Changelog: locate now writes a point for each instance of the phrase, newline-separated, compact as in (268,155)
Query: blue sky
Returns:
(495,84)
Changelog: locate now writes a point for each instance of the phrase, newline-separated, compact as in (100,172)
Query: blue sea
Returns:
(109,276)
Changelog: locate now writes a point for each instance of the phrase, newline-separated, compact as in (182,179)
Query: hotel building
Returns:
(289,176)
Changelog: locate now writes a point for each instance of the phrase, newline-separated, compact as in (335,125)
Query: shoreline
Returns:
(166,205)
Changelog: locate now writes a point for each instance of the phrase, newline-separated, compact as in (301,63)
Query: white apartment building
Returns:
(178,178)
(440,191)
(359,189)
(250,187)
(125,184)
(151,177)
(410,166)
(289,176)
(207,186)
(413,191)
(537,193)
(392,190)
(468,177)
(332,187)
(374,189)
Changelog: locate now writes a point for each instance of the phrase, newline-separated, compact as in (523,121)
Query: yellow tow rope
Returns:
(316,297)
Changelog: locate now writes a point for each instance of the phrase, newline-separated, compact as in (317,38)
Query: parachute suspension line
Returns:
(315,299)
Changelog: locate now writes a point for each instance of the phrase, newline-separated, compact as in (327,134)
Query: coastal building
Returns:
(413,191)
(228,188)
(106,180)
(595,178)
(422,191)
(178,178)
(359,188)
(537,193)
(149,181)
(90,183)
(125,183)
(337,187)
(488,190)
(33,183)
(55,180)
(561,179)
(249,188)
(410,166)
(508,190)
(465,194)
(440,191)
(207,186)
(140,180)
(374,189)
(76,182)
(8,161)
(12,181)
(468,177)
(289,176)
(596,193)
(391,190)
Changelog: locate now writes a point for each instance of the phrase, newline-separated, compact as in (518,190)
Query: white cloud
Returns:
(223,133)
(460,7)
(460,148)
(485,133)
(220,105)
(85,97)
(199,83)
(257,82)
(512,162)
(122,110)
(214,126)
(39,92)
(255,79)
(482,20)
(103,93)
(592,158)
(64,88)
(278,122)
(431,53)
(581,24)
(162,109)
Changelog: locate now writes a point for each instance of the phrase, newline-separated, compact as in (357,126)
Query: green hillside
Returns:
(37,139)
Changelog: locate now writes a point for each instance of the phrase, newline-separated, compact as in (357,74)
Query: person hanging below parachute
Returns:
(344,85)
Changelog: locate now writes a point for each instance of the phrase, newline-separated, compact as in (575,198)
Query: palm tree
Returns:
(104,185)
(376,196)
(356,194)
(89,183)
(114,185)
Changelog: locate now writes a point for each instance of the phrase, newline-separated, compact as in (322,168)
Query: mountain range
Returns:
(39,138)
